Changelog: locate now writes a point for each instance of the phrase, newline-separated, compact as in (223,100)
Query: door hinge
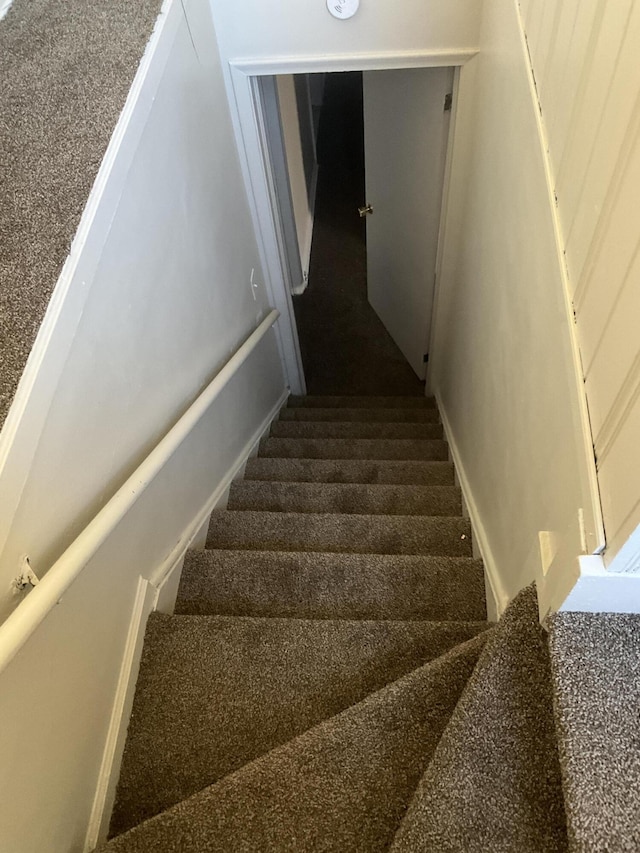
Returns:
(425,357)
(448,102)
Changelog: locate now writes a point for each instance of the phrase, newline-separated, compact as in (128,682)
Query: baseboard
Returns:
(144,603)
(217,497)
(154,593)
(497,598)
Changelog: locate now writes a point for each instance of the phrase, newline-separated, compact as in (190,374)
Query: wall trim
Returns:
(596,538)
(481,539)
(144,603)
(598,590)
(619,411)
(146,600)
(353,61)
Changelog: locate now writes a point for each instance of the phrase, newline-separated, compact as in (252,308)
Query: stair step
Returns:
(596,688)
(362,499)
(391,472)
(354,448)
(214,693)
(494,780)
(327,402)
(343,785)
(331,586)
(357,534)
(406,415)
(355,429)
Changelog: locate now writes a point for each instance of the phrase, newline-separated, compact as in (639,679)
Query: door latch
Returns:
(363,211)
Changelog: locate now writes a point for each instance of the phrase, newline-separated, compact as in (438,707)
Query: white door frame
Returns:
(256,165)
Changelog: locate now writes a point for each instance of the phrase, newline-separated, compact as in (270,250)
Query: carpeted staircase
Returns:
(329,681)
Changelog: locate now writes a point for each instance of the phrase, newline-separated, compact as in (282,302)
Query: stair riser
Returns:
(322,402)
(361,415)
(345,498)
(331,586)
(416,473)
(340,448)
(358,534)
(304,429)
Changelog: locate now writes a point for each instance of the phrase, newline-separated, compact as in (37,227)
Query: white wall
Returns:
(259,29)
(585,57)
(301,162)
(154,299)
(505,368)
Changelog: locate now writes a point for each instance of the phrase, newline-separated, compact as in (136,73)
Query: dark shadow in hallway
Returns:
(345,347)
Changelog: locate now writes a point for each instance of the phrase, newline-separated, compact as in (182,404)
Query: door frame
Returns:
(256,150)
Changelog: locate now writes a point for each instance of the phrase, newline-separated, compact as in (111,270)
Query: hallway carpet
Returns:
(345,347)
(329,681)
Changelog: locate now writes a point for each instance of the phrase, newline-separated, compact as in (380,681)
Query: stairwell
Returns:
(329,680)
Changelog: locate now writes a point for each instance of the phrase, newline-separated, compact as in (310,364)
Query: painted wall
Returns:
(153,301)
(257,29)
(585,57)
(506,369)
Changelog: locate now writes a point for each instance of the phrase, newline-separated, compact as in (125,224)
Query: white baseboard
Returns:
(158,592)
(112,756)
(217,499)
(497,598)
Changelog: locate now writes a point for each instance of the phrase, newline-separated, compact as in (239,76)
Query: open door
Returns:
(405,129)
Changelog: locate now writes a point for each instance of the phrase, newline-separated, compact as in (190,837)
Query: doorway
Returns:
(262,149)
(363,320)
(345,346)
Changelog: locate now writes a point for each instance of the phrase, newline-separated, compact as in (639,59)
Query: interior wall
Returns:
(158,299)
(585,57)
(259,29)
(505,366)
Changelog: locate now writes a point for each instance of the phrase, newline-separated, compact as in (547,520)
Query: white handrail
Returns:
(24,620)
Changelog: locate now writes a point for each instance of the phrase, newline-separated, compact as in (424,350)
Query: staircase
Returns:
(329,681)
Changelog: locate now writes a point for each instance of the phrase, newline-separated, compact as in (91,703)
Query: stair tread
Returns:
(393,472)
(330,586)
(345,498)
(378,534)
(355,448)
(355,429)
(383,415)
(341,786)
(495,773)
(255,682)
(357,402)
(594,667)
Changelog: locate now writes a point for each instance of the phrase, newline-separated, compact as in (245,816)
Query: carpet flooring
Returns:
(329,682)
(66,70)
(596,683)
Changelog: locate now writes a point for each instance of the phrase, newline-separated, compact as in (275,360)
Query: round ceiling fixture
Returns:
(343,9)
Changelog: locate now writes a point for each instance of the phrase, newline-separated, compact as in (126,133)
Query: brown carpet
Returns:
(595,660)
(341,786)
(301,700)
(332,586)
(66,68)
(494,780)
(216,692)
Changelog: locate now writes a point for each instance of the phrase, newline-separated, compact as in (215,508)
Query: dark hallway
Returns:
(345,347)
